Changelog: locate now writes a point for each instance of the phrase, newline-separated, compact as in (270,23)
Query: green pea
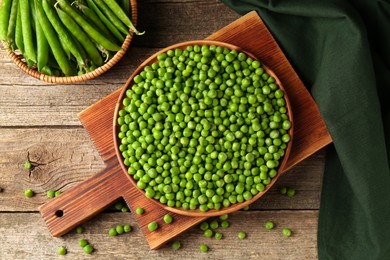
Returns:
(176,245)
(241,235)
(203,248)
(112,232)
(62,251)
(168,219)
(269,225)
(83,243)
(50,194)
(208,233)
(286,232)
(127,228)
(88,249)
(79,229)
(28,193)
(152,226)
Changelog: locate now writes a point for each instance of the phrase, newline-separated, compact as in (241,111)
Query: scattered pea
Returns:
(168,219)
(208,233)
(57,193)
(119,229)
(139,211)
(118,205)
(225,224)
(291,192)
(241,235)
(176,245)
(79,229)
(286,232)
(152,226)
(283,190)
(124,209)
(224,217)
(88,249)
(127,228)
(269,225)
(112,232)
(62,251)
(214,224)
(28,193)
(27,165)
(203,248)
(246,208)
(204,226)
(218,235)
(83,243)
(50,194)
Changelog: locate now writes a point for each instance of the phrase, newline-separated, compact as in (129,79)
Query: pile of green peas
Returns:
(203,128)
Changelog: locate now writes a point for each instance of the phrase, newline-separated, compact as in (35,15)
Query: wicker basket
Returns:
(17,59)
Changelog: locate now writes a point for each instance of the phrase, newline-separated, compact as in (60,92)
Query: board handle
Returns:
(83,201)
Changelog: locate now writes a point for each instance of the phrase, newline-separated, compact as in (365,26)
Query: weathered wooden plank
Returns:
(260,243)
(169,22)
(71,158)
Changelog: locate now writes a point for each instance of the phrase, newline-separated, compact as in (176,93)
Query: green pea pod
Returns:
(52,38)
(29,49)
(18,32)
(87,27)
(125,4)
(94,18)
(65,47)
(12,24)
(42,49)
(81,36)
(32,11)
(4,18)
(105,20)
(111,16)
(63,34)
(114,6)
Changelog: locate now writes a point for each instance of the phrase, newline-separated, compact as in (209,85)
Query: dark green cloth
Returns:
(341,50)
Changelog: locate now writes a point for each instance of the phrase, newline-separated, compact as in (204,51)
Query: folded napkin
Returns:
(341,51)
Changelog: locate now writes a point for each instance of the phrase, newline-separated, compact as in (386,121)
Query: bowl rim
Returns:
(212,212)
(17,59)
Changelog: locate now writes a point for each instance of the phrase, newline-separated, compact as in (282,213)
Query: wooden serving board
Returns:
(90,197)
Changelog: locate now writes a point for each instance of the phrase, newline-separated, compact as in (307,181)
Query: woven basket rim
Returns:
(17,59)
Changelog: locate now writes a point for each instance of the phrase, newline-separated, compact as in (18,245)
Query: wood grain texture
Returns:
(43,119)
(260,244)
(73,158)
(92,196)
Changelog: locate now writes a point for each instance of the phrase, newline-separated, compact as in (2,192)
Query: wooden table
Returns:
(41,119)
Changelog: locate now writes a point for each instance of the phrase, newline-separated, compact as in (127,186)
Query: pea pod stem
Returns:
(111,16)
(12,24)
(105,20)
(81,36)
(4,18)
(114,6)
(87,27)
(51,36)
(29,50)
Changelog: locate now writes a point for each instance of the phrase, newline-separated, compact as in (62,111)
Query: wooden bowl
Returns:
(197,212)
(19,60)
